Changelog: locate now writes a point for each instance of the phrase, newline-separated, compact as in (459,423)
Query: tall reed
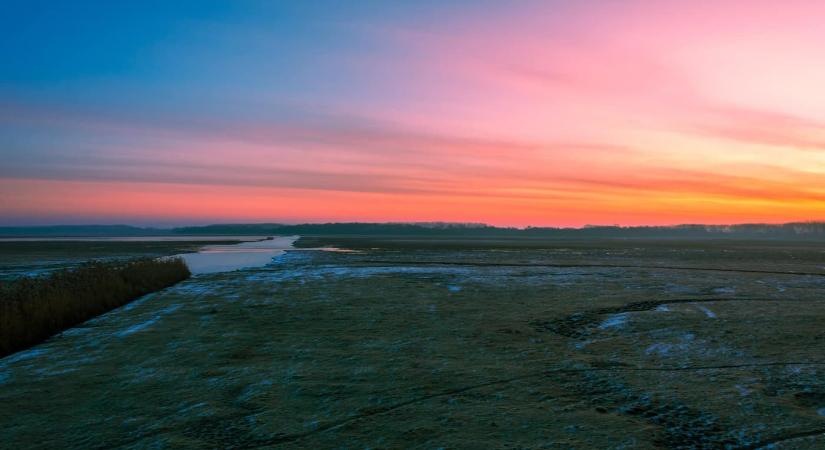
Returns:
(33,309)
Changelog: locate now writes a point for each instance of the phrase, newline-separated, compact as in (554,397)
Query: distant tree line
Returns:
(34,308)
(801,230)
(796,230)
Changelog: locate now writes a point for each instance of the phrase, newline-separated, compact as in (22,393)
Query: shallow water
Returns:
(195,238)
(224,258)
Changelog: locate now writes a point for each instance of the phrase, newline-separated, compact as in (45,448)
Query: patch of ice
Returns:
(583,344)
(139,327)
(666,349)
(20,356)
(663,308)
(454,288)
(148,323)
(131,305)
(679,289)
(707,311)
(724,290)
(50,373)
(187,409)
(77,331)
(614,321)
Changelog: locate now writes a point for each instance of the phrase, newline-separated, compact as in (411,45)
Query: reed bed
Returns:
(34,309)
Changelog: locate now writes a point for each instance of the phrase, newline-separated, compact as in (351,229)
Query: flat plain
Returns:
(427,343)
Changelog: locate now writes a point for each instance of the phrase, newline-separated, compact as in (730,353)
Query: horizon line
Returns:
(418,223)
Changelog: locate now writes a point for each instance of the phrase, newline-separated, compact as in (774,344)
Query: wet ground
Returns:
(556,345)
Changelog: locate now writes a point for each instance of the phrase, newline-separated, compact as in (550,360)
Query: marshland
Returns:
(448,343)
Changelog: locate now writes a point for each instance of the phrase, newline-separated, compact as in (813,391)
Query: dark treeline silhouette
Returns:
(33,309)
(797,230)
(81,231)
(802,230)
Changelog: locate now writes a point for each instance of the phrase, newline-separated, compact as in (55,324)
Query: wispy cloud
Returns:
(536,113)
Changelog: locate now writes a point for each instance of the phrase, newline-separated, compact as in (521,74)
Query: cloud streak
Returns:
(535,113)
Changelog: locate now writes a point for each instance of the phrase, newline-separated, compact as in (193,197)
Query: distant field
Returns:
(430,343)
(27,258)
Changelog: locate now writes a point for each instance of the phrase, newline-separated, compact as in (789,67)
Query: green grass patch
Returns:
(33,309)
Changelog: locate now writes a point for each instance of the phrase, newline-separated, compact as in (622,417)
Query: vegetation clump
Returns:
(33,309)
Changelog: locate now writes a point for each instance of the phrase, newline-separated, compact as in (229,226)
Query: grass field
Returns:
(412,343)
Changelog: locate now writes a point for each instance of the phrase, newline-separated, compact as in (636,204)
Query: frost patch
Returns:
(663,308)
(707,311)
(679,289)
(27,354)
(614,321)
(77,331)
(668,349)
(148,323)
(131,305)
(190,408)
(583,344)
(724,290)
(138,327)
(688,346)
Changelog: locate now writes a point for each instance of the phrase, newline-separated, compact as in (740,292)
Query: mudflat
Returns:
(415,343)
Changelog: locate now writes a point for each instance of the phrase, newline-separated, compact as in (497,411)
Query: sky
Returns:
(545,113)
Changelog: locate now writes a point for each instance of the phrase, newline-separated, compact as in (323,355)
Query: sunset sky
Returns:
(559,113)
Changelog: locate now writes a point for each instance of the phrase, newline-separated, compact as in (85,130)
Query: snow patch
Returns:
(27,354)
(724,290)
(707,311)
(148,323)
(614,321)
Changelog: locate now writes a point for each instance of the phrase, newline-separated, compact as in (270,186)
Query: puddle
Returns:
(225,258)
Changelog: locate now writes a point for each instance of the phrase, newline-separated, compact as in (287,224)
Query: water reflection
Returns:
(224,258)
